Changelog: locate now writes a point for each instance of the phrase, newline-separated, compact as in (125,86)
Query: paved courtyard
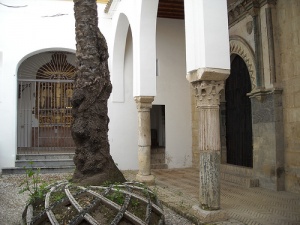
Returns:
(178,189)
(247,205)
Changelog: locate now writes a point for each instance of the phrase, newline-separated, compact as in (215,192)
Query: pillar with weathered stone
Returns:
(144,104)
(208,66)
(208,83)
(208,100)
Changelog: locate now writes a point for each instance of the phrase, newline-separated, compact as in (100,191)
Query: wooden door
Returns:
(238,115)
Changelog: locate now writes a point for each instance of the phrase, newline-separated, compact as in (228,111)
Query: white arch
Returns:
(26,56)
(118,53)
(240,47)
(142,20)
(146,49)
(29,65)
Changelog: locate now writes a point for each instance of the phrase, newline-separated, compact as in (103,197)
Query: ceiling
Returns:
(102,1)
(173,9)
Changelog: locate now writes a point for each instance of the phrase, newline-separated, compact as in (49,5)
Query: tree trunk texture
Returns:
(92,88)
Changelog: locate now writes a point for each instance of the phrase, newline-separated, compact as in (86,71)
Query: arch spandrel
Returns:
(240,47)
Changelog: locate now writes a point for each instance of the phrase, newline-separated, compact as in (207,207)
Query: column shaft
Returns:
(144,142)
(209,146)
(144,104)
(208,100)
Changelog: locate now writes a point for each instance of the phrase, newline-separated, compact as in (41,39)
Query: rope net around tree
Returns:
(123,204)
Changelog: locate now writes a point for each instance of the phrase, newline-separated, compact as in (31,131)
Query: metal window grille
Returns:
(44,105)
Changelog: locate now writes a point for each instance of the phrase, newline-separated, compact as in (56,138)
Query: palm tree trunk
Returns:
(92,88)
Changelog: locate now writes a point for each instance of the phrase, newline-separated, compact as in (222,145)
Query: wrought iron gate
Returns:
(44,107)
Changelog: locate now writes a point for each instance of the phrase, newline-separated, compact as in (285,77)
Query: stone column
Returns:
(144,104)
(208,100)
(208,83)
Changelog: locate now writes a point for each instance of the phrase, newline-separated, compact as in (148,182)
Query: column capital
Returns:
(144,103)
(254,8)
(254,12)
(208,92)
(204,74)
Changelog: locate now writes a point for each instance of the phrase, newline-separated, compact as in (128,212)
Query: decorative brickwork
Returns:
(240,47)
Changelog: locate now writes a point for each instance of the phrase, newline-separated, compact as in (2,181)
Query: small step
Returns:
(159,166)
(19,170)
(240,180)
(238,175)
(158,160)
(63,162)
(45,163)
(33,157)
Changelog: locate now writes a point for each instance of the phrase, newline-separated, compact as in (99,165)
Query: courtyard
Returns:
(178,190)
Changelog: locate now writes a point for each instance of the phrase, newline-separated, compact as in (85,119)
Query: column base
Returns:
(210,216)
(148,179)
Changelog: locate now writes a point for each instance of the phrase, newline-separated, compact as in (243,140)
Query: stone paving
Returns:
(244,205)
(178,189)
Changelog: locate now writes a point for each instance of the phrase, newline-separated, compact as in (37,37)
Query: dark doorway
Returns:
(157,126)
(158,133)
(238,115)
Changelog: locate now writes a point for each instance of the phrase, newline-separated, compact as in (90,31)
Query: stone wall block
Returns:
(268,142)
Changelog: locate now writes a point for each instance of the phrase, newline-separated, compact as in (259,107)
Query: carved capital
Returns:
(240,9)
(254,12)
(270,2)
(144,103)
(208,92)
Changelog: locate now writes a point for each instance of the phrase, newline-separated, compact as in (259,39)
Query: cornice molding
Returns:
(238,10)
(207,74)
(261,94)
(241,8)
(144,103)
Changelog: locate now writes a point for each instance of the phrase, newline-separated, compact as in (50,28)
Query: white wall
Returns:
(240,29)
(123,127)
(25,31)
(141,15)
(173,91)
(206,34)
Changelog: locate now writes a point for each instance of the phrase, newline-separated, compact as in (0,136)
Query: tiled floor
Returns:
(178,188)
